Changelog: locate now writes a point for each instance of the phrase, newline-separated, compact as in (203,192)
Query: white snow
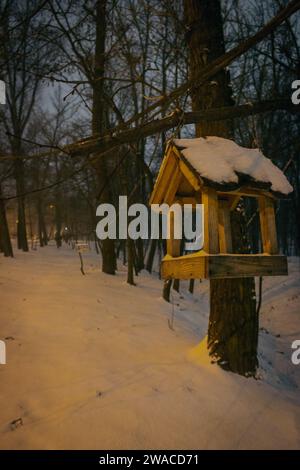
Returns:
(92,363)
(220,160)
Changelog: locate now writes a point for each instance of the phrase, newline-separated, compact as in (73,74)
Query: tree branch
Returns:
(104,145)
(223,61)
(106,142)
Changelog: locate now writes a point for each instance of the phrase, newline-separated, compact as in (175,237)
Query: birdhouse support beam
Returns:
(225,236)
(203,265)
(211,220)
(268,225)
(173,244)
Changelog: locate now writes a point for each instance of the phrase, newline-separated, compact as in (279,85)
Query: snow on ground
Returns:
(92,363)
(230,159)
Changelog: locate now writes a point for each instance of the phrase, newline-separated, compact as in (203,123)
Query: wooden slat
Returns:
(187,200)
(189,175)
(211,230)
(173,186)
(233,201)
(227,266)
(185,188)
(173,244)
(248,192)
(164,176)
(225,238)
(184,267)
(268,225)
(203,265)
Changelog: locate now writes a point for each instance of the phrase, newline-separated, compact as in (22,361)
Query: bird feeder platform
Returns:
(217,173)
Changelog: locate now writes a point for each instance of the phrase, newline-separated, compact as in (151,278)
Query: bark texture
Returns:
(233,323)
(98,127)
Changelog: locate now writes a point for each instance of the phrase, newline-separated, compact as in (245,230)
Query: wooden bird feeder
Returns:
(190,174)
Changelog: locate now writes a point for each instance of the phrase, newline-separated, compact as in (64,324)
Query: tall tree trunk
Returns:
(98,125)
(130,261)
(233,323)
(151,255)
(43,239)
(21,226)
(5,243)
(58,220)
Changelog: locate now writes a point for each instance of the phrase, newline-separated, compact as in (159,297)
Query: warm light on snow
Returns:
(92,362)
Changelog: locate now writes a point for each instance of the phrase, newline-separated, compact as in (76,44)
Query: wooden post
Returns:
(173,186)
(173,249)
(173,244)
(211,229)
(225,237)
(268,225)
(81,263)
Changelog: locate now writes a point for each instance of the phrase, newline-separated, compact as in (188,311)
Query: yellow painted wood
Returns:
(189,175)
(211,220)
(203,265)
(188,200)
(173,185)
(233,201)
(247,192)
(225,236)
(173,244)
(268,225)
(166,171)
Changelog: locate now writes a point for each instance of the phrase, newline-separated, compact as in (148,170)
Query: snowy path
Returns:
(92,363)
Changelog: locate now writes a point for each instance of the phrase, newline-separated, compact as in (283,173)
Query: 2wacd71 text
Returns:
(150,459)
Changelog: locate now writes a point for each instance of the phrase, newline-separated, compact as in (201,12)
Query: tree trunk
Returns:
(233,323)
(21,224)
(109,261)
(140,254)
(43,238)
(58,221)
(130,266)
(5,243)
(151,255)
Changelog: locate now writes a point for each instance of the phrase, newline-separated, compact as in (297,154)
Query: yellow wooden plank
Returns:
(188,200)
(268,225)
(231,266)
(225,238)
(173,244)
(201,265)
(161,185)
(211,229)
(248,192)
(184,267)
(189,175)
(185,188)
(173,185)
(233,201)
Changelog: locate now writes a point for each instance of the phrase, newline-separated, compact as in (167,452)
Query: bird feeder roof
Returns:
(227,166)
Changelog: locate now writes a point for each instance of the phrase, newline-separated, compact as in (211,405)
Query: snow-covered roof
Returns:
(224,162)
